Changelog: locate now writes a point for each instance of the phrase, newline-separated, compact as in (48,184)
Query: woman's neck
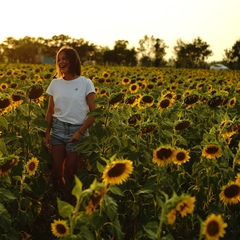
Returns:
(70,77)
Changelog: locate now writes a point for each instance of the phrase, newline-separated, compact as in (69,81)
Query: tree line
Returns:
(150,52)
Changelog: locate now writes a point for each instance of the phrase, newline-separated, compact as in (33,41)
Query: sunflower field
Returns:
(162,160)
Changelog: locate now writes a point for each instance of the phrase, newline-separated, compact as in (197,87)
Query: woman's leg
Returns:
(73,160)
(58,153)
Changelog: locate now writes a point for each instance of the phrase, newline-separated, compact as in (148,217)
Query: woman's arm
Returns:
(48,118)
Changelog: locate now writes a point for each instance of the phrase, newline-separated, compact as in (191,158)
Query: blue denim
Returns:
(62,132)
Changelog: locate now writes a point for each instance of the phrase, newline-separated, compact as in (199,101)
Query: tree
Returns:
(192,55)
(120,55)
(152,51)
(232,56)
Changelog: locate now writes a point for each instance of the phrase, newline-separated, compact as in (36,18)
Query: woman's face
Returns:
(63,63)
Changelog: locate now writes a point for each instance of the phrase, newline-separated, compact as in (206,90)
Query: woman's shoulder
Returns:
(84,79)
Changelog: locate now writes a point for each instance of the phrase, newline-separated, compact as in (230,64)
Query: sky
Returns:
(102,22)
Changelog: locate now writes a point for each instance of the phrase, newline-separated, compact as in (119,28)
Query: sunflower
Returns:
(35,91)
(191,99)
(125,81)
(215,101)
(101,80)
(32,166)
(213,227)
(95,200)
(163,155)
(147,128)
(211,151)
(147,100)
(132,100)
(103,92)
(117,172)
(170,95)
(171,216)
(182,125)
(4,86)
(186,206)
(134,118)
(8,164)
(134,88)
(232,102)
(4,103)
(164,103)
(116,98)
(60,228)
(105,74)
(180,156)
(230,194)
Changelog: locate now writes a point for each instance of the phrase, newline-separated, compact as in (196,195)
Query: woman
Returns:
(71,97)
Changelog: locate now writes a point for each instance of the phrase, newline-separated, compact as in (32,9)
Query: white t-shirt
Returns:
(69,98)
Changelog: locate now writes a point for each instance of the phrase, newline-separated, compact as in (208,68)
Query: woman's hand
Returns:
(47,141)
(76,136)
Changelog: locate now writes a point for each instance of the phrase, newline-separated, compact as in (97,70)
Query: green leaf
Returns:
(65,209)
(116,190)
(110,207)
(77,190)
(151,229)
(5,218)
(3,122)
(6,195)
(115,229)
(86,234)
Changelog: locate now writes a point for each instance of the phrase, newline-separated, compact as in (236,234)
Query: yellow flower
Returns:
(95,200)
(147,100)
(8,165)
(117,172)
(211,151)
(32,166)
(163,155)
(180,156)
(165,103)
(186,206)
(171,216)
(230,194)
(232,102)
(213,227)
(60,228)
(125,81)
(133,88)
(4,86)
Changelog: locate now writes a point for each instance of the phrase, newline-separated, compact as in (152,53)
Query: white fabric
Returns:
(69,97)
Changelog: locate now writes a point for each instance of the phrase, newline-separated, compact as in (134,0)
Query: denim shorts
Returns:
(62,132)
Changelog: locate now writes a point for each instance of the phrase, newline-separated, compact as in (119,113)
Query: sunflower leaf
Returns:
(3,122)
(5,218)
(65,209)
(77,190)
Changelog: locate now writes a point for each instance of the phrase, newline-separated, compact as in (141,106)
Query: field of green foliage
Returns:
(161,162)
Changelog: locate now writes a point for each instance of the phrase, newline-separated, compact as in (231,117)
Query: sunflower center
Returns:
(61,229)
(31,166)
(117,170)
(182,125)
(147,99)
(213,228)
(232,191)
(164,103)
(164,153)
(180,156)
(212,150)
